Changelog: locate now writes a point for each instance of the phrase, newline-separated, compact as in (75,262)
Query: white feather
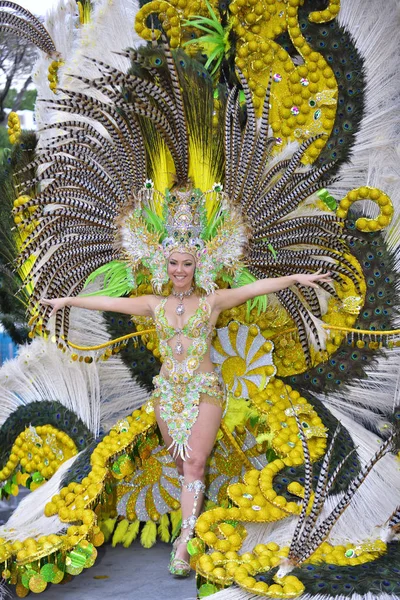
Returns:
(28,519)
(100,393)
(375,158)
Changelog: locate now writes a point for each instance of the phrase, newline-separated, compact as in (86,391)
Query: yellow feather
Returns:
(120,531)
(149,534)
(163,529)
(163,171)
(239,412)
(201,170)
(131,533)
(176,518)
(107,527)
(160,165)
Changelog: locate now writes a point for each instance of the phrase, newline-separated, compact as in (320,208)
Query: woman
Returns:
(188,398)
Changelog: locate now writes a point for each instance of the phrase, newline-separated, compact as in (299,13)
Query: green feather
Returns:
(118,279)
(216,37)
(259,302)
(154,222)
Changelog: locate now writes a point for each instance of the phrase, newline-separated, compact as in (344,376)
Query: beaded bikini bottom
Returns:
(179,405)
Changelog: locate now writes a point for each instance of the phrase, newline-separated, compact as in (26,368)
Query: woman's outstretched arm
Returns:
(142,306)
(226,299)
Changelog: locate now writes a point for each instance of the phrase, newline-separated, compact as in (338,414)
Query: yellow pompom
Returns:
(107,527)
(163,529)
(176,518)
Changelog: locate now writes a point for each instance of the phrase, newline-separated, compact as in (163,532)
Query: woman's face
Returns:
(180,268)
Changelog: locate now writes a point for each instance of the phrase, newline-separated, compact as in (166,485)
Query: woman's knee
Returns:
(194,467)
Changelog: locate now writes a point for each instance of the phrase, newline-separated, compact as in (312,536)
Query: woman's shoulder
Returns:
(155,300)
(210,300)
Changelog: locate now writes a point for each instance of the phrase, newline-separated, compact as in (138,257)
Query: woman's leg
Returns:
(201,442)
(168,440)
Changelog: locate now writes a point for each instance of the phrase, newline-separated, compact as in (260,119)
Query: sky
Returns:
(38,7)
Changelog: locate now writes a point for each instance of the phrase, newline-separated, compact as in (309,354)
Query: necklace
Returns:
(180,309)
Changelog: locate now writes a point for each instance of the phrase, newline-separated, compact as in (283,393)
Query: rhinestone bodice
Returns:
(198,329)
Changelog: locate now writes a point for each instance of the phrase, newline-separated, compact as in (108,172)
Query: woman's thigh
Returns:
(205,429)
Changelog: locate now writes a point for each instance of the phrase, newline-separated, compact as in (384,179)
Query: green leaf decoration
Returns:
(326,197)
(271,455)
(254,420)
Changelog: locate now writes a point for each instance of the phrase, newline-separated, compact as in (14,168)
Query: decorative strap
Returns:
(198,487)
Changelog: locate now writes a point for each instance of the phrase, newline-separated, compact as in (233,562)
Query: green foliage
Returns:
(27,103)
(4,141)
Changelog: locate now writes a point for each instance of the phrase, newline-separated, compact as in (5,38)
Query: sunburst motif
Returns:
(154,489)
(244,358)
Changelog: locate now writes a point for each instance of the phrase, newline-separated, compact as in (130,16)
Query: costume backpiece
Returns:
(260,138)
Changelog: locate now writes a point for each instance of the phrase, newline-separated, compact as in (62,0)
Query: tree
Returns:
(27,99)
(16,59)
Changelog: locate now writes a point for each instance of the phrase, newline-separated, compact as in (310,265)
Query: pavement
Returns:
(126,573)
(120,573)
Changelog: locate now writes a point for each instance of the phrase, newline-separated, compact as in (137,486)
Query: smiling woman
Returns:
(188,398)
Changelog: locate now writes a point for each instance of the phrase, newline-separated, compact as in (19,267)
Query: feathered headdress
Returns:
(148,239)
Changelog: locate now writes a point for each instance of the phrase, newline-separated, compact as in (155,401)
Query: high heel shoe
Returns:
(178,567)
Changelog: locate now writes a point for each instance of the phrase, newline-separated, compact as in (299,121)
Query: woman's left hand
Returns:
(314,279)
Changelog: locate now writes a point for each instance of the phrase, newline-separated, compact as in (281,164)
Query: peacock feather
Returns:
(43,412)
(141,362)
(380,312)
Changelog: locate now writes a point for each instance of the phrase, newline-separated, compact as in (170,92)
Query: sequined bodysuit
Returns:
(180,392)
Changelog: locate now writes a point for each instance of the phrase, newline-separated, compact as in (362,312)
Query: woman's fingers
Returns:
(322,277)
(55,303)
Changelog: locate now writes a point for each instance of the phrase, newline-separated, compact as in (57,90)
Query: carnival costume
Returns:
(179,394)
(161,142)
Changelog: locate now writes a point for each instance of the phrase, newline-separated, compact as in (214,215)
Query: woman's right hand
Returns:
(55,303)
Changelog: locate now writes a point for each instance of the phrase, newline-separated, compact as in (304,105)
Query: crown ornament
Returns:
(183,223)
